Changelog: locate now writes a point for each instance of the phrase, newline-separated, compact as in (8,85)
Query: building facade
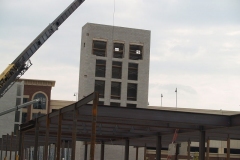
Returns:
(115,62)
(34,89)
(13,97)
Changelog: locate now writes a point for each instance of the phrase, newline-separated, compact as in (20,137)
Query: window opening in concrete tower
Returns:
(100,68)
(116,90)
(100,87)
(114,104)
(132,92)
(118,50)
(116,70)
(132,71)
(135,52)
(99,48)
(129,105)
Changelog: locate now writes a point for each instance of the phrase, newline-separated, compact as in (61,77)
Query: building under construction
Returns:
(54,136)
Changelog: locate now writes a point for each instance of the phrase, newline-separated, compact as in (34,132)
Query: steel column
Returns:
(85,151)
(46,138)
(94,122)
(228,148)
(145,152)
(35,156)
(136,153)
(188,149)
(208,144)
(202,144)
(68,151)
(63,147)
(126,156)
(6,147)
(158,147)
(59,134)
(11,146)
(55,152)
(1,148)
(16,144)
(102,150)
(74,132)
(20,145)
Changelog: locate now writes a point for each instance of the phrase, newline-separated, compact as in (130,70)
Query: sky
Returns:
(194,46)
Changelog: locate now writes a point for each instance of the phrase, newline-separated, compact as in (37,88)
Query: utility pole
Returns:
(176,97)
(161,99)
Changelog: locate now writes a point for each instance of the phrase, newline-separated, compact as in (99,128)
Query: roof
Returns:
(38,82)
(194,110)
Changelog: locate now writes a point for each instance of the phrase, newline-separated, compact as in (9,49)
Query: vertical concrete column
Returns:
(136,153)
(36,140)
(158,147)
(202,143)
(102,150)
(228,148)
(85,151)
(208,144)
(126,156)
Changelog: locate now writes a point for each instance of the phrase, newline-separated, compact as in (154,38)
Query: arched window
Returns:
(42,104)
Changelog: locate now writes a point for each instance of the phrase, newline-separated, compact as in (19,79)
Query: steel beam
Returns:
(166,116)
(126,155)
(202,144)
(158,147)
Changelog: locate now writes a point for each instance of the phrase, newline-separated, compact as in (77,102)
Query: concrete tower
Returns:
(115,62)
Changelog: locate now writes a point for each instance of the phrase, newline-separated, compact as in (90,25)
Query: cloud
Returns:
(194,45)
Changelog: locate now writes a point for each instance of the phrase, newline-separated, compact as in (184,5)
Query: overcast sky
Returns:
(195,45)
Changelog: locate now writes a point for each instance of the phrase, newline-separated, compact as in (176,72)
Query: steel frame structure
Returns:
(137,127)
